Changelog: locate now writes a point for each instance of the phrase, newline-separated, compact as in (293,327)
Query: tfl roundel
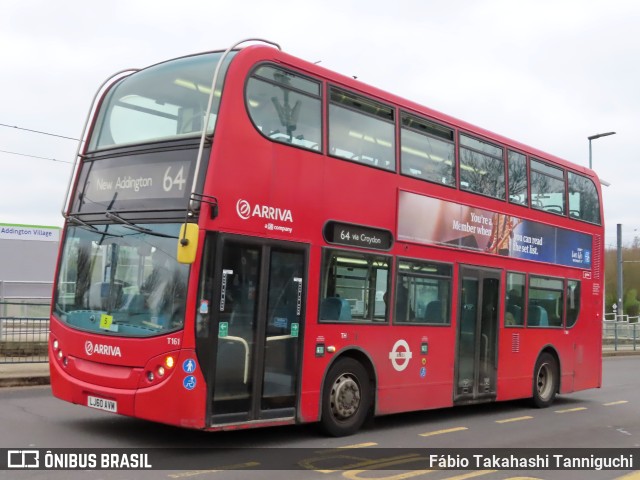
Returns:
(400,355)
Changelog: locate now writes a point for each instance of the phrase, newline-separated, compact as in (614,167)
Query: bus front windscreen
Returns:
(117,281)
(164,102)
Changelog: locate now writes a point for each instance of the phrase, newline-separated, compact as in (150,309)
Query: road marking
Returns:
(477,473)
(578,409)
(523,478)
(191,474)
(515,419)
(353,474)
(440,432)
(356,462)
(194,473)
(620,402)
(337,449)
(360,445)
(630,476)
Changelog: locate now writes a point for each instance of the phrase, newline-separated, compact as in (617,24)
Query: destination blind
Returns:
(150,181)
(358,236)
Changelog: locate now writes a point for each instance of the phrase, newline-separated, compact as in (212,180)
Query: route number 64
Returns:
(168,182)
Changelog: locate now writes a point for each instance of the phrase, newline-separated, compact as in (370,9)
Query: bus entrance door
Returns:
(476,359)
(257,328)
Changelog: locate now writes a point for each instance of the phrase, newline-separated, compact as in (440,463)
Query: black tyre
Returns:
(346,398)
(546,378)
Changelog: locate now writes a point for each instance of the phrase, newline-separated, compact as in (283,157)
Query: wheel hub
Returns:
(544,383)
(345,397)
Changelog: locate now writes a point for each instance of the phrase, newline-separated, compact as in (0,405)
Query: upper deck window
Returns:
(518,178)
(162,102)
(362,130)
(427,150)
(285,107)
(584,203)
(481,167)
(547,188)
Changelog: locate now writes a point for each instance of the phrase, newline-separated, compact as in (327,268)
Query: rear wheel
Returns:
(546,378)
(346,398)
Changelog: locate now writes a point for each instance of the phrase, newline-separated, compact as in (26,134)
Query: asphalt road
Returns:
(399,445)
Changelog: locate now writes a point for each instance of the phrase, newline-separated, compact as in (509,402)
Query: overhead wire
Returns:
(35,156)
(41,133)
(38,131)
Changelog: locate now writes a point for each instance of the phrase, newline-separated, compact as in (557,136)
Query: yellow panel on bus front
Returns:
(188,243)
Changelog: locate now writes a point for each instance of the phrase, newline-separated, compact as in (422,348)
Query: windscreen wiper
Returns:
(114,216)
(77,221)
(88,226)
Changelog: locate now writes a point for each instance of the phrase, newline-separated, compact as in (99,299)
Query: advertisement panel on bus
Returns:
(431,220)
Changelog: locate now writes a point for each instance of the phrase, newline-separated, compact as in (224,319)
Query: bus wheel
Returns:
(346,398)
(545,380)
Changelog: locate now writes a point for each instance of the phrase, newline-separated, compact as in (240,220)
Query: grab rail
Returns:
(193,203)
(109,80)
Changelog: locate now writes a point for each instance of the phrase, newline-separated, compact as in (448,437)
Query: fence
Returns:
(621,332)
(25,298)
(24,321)
(23,340)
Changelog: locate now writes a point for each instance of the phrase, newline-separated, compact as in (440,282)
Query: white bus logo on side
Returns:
(244,209)
(266,212)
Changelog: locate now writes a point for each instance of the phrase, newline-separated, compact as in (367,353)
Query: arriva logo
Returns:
(244,211)
(99,349)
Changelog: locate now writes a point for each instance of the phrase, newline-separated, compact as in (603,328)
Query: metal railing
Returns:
(621,332)
(24,321)
(23,340)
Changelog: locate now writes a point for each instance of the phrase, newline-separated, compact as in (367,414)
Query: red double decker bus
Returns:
(254,240)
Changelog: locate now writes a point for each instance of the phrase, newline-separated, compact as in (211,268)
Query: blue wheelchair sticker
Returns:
(189,382)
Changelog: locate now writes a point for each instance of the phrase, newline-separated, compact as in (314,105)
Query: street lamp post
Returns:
(620,266)
(593,137)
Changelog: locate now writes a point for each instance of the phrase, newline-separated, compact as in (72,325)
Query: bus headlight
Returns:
(158,369)
(169,361)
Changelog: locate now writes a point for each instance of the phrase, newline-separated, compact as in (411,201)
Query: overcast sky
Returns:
(547,73)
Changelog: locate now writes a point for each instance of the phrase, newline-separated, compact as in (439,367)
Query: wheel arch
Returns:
(361,356)
(551,350)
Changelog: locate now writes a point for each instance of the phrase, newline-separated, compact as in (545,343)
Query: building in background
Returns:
(27,266)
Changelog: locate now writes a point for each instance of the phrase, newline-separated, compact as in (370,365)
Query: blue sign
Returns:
(189,382)
(423,372)
(189,365)
(544,243)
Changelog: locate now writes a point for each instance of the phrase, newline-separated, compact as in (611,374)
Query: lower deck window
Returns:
(546,302)
(573,302)
(423,293)
(514,311)
(354,287)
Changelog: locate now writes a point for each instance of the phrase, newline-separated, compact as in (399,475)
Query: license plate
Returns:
(102,404)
